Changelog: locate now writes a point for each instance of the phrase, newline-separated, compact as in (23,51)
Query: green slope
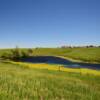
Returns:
(21,83)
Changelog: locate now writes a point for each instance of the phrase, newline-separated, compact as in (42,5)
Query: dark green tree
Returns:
(16,53)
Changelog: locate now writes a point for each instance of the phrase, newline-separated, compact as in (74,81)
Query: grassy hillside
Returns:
(83,54)
(22,83)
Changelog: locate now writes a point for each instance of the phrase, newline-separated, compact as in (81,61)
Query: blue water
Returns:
(58,60)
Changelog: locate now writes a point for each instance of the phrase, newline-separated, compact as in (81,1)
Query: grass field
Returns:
(91,55)
(18,82)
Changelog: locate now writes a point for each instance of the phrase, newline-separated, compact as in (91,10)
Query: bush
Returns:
(6,55)
(24,54)
(30,52)
(16,53)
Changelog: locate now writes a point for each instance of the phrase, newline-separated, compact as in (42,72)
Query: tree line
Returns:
(87,46)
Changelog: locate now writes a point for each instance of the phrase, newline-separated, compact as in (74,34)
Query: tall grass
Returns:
(22,83)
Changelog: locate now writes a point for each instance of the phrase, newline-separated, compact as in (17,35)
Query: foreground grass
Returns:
(22,83)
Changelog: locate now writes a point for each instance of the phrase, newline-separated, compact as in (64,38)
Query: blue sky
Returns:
(49,23)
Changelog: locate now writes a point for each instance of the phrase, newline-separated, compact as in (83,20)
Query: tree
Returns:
(16,53)
(30,52)
(24,54)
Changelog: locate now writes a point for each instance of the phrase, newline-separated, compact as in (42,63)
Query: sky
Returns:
(49,23)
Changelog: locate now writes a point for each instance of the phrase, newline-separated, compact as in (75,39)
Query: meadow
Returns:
(40,81)
(20,82)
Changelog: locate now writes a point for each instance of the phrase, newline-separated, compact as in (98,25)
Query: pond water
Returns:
(58,60)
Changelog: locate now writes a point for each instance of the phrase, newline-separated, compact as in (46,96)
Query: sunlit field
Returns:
(22,81)
(58,68)
(49,49)
(41,81)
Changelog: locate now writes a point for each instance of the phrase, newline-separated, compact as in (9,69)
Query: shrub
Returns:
(16,53)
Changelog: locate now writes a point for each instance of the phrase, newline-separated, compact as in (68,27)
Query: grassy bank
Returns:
(18,82)
(55,67)
(91,55)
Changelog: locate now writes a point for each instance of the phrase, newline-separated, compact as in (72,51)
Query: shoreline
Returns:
(76,60)
(66,58)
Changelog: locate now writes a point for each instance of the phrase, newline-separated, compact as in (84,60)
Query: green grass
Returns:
(91,55)
(21,83)
(57,67)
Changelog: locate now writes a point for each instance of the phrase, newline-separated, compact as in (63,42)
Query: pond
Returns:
(58,60)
